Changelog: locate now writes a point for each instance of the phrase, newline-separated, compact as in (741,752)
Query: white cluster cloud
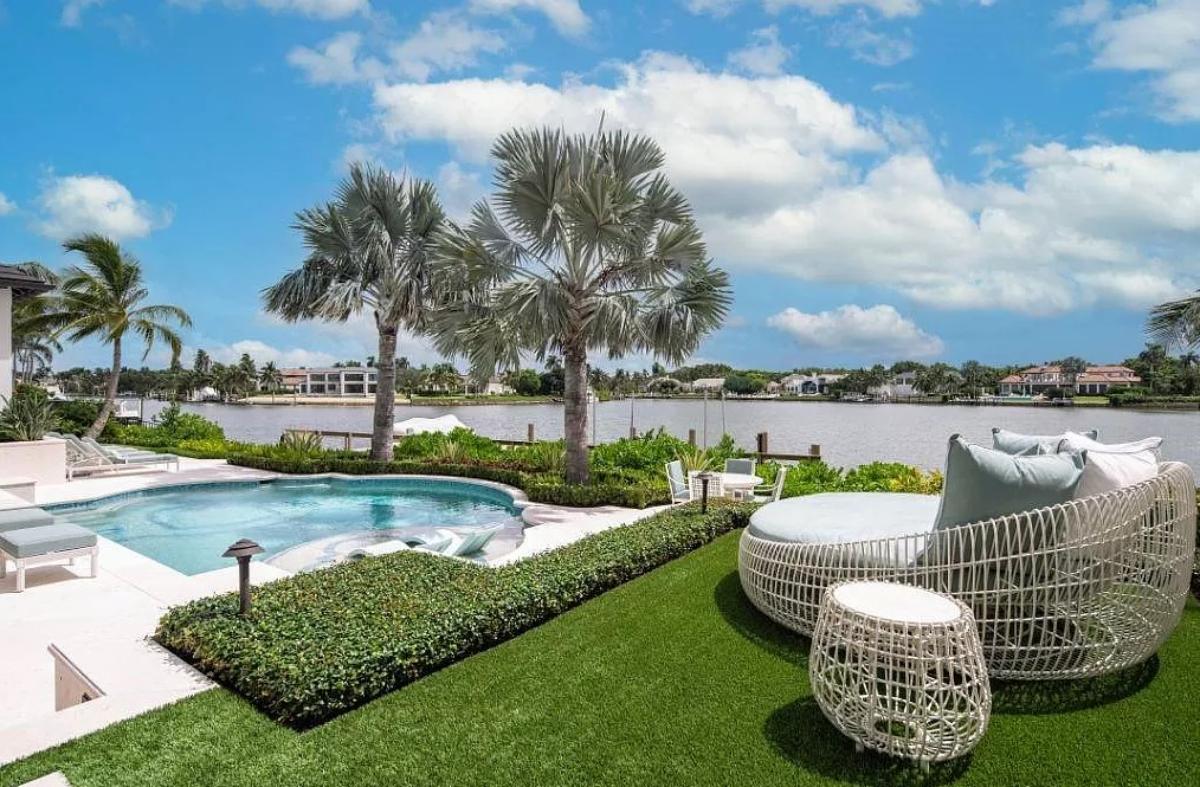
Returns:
(317,9)
(443,42)
(446,41)
(879,332)
(869,45)
(72,204)
(262,353)
(72,11)
(1160,38)
(7,206)
(567,16)
(764,55)
(888,8)
(786,178)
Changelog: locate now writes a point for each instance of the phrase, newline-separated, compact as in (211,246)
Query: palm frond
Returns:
(1176,323)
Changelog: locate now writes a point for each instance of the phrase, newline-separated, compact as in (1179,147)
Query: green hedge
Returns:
(320,643)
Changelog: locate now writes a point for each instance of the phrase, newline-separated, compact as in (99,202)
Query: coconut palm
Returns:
(367,250)
(585,248)
(1176,323)
(270,378)
(104,299)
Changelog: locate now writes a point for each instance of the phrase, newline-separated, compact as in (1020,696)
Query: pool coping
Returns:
(519,499)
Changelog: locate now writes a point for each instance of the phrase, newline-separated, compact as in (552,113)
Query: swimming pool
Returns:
(187,528)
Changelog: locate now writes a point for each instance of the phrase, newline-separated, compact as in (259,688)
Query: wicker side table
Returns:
(899,669)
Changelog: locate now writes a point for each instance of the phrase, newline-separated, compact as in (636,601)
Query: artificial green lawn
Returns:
(670,679)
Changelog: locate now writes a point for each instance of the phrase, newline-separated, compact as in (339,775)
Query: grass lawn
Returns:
(670,679)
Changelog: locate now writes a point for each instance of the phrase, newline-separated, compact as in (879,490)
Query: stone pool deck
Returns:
(103,625)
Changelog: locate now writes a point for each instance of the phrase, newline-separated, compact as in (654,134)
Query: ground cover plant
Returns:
(672,678)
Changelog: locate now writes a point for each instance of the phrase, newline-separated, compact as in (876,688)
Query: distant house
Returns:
(331,381)
(708,384)
(1094,380)
(899,386)
(808,384)
(496,387)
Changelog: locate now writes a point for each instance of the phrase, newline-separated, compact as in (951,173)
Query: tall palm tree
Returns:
(586,248)
(104,299)
(368,249)
(270,378)
(1176,323)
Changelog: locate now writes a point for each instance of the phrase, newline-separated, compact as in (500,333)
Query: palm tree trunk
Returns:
(110,394)
(575,415)
(383,429)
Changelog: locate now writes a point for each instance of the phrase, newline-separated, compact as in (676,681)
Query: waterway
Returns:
(849,434)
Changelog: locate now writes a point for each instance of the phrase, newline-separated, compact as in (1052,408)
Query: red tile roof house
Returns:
(1096,380)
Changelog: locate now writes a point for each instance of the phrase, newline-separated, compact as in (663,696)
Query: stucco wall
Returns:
(45,461)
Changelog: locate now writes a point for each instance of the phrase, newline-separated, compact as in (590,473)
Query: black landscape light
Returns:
(243,549)
(704,479)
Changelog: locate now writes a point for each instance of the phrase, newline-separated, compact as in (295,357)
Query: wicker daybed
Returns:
(1072,590)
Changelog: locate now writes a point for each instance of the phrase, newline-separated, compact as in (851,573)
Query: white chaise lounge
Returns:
(1078,589)
(32,536)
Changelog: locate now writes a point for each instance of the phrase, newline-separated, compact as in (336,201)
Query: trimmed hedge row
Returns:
(607,487)
(318,644)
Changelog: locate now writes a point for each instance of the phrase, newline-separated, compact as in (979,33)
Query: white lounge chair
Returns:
(126,455)
(768,493)
(677,483)
(32,536)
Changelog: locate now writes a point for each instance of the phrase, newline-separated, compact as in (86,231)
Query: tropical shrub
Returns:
(891,477)
(28,415)
(301,443)
(322,642)
(170,427)
(76,415)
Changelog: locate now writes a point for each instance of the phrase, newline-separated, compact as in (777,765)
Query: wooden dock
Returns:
(761,449)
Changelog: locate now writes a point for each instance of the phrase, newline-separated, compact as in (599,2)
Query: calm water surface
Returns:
(849,434)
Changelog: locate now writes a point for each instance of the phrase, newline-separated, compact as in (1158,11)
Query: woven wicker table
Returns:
(899,669)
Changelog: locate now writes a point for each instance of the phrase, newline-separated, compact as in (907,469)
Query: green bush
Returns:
(320,643)
(76,415)
(169,428)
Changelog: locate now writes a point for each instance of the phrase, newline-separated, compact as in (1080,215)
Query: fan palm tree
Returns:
(585,248)
(104,299)
(368,249)
(1176,323)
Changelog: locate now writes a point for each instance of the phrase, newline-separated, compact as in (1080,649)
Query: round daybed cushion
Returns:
(846,517)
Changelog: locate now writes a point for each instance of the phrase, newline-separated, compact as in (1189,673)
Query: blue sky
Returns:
(1003,180)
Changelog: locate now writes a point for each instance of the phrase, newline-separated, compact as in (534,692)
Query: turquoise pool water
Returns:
(188,528)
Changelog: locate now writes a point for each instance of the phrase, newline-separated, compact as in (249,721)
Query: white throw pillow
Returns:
(1079,442)
(1105,472)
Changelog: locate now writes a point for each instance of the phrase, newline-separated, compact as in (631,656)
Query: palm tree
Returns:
(271,378)
(1176,323)
(588,248)
(103,299)
(369,249)
(33,339)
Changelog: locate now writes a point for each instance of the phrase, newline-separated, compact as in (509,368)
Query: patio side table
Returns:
(899,669)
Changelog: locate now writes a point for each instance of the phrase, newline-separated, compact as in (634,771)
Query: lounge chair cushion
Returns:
(1114,465)
(844,517)
(33,541)
(16,518)
(1017,443)
(983,484)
